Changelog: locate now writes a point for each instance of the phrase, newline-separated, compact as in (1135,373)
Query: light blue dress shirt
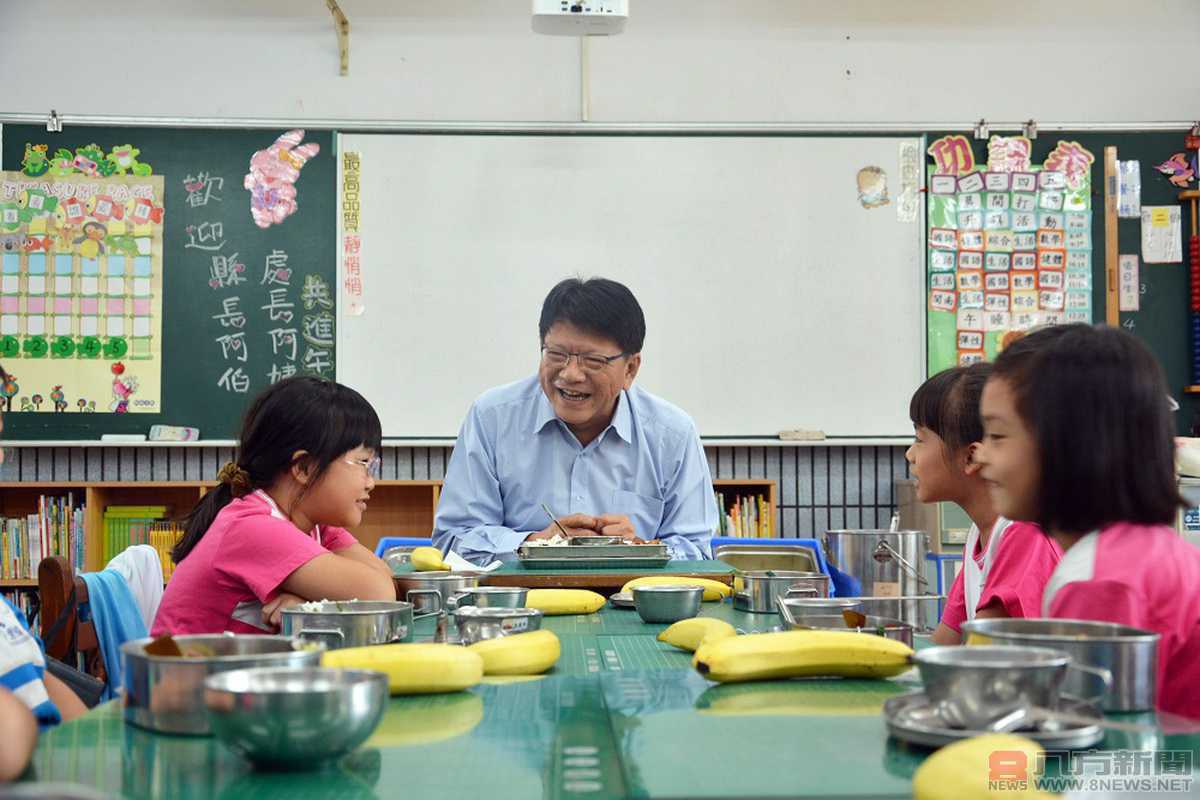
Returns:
(513,454)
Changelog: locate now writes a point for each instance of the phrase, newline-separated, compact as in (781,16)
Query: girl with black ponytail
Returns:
(272,533)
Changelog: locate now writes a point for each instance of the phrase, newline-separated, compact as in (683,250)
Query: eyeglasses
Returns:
(372,466)
(592,362)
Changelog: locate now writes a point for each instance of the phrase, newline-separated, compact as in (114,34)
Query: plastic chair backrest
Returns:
(400,541)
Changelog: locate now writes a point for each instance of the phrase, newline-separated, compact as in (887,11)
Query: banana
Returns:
(713,590)
(520,654)
(414,668)
(564,601)
(689,634)
(423,720)
(427,559)
(794,654)
(961,771)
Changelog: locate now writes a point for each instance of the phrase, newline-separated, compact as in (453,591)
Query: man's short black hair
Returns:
(599,307)
(1096,401)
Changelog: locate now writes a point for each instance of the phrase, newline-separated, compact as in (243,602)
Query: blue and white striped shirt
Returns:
(23,665)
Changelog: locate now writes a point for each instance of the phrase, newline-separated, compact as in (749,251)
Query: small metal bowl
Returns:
(665,604)
(596,540)
(792,609)
(493,597)
(477,624)
(283,718)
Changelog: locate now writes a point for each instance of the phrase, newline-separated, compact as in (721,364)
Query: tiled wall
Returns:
(819,488)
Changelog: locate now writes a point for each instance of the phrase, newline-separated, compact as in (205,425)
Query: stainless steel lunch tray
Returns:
(606,556)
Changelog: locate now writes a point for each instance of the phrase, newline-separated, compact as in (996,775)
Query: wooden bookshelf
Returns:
(732,487)
(397,507)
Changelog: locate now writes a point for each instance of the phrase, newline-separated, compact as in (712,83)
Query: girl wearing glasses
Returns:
(272,534)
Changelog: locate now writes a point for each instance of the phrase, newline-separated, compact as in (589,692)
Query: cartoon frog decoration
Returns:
(124,156)
(35,163)
(63,163)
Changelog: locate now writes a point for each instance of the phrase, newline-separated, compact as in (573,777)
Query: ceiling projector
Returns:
(580,17)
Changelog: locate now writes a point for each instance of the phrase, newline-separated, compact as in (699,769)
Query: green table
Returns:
(621,715)
(513,573)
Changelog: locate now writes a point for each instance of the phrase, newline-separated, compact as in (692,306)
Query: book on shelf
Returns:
(747,516)
(125,526)
(55,530)
(25,600)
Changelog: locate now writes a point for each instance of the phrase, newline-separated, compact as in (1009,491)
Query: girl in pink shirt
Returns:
(272,534)
(1079,438)
(1005,564)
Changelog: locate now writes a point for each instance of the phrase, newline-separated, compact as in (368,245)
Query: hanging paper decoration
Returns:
(272,178)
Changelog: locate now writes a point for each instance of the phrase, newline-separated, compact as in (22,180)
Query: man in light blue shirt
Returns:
(606,456)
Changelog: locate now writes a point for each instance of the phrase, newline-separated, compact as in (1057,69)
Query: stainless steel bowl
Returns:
(166,694)
(791,609)
(295,718)
(493,597)
(350,623)
(762,587)
(970,687)
(879,626)
(431,591)
(1130,654)
(659,604)
(476,624)
(596,540)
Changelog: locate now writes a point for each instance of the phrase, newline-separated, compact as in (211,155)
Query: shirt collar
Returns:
(622,421)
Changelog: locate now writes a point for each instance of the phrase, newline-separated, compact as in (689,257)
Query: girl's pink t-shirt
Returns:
(1024,560)
(1145,576)
(239,564)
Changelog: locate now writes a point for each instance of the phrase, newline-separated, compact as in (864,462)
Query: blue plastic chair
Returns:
(400,541)
(940,560)
(815,545)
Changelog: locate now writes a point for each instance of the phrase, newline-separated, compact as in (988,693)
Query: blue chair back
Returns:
(400,541)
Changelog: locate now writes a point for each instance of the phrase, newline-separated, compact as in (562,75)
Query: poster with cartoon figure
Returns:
(81,265)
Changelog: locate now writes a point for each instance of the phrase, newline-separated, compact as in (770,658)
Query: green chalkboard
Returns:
(1162,320)
(232,292)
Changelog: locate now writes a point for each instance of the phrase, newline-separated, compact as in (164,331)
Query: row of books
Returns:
(125,526)
(26,601)
(55,530)
(747,516)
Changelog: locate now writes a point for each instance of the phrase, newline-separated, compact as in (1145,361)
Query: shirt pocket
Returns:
(645,512)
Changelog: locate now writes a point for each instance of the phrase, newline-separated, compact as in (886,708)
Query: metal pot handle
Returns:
(802,591)
(455,601)
(437,602)
(1096,672)
(332,638)
(784,611)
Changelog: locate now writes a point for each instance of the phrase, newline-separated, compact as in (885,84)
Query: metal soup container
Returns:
(1130,654)
(477,624)
(494,597)
(761,588)
(166,693)
(420,588)
(886,564)
(350,623)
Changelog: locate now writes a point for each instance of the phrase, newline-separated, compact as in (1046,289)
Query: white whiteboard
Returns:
(773,299)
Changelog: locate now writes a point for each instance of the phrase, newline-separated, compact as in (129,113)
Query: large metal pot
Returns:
(166,693)
(1130,654)
(885,563)
(350,623)
(761,588)
(419,588)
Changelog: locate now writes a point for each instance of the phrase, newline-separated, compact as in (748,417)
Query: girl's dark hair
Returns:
(597,306)
(948,405)
(322,418)
(1096,402)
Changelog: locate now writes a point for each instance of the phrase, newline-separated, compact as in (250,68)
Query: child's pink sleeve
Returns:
(1101,601)
(955,612)
(1023,564)
(337,538)
(260,552)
